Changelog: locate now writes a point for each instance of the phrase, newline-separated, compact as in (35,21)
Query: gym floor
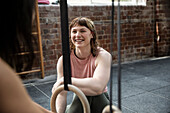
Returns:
(145,87)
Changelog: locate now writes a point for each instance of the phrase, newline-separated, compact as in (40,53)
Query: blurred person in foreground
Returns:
(15,37)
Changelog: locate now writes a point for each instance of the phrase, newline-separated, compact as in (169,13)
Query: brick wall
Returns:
(137,31)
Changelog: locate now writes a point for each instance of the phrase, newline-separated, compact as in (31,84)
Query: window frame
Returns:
(122,3)
(102,2)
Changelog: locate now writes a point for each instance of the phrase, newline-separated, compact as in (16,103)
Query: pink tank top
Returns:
(83,68)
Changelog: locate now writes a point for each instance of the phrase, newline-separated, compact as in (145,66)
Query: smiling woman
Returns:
(90,68)
(85,27)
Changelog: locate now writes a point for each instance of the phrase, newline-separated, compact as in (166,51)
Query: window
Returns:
(104,2)
(122,2)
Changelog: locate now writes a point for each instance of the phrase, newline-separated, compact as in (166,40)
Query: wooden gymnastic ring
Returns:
(107,109)
(74,89)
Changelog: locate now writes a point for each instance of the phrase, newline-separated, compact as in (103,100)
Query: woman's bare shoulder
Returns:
(11,87)
(103,53)
(5,70)
(103,56)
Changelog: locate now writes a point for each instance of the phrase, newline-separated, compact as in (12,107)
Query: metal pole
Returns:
(154,26)
(111,51)
(119,55)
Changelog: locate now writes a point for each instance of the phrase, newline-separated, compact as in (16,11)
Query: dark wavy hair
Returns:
(16,33)
(83,21)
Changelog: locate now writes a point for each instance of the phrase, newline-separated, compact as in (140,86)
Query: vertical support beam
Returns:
(119,55)
(154,26)
(39,39)
(111,51)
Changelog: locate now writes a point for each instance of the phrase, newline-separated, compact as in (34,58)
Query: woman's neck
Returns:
(83,53)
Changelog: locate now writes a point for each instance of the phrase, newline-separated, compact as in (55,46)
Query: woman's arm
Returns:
(41,108)
(61,101)
(13,96)
(96,85)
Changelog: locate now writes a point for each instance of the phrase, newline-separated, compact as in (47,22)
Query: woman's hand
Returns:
(57,84)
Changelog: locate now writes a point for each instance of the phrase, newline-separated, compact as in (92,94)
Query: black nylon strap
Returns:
(65,43)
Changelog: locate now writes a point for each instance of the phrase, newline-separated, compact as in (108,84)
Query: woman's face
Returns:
(81,36)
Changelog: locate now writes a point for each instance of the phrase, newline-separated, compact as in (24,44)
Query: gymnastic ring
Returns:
(107,109)
(74,89)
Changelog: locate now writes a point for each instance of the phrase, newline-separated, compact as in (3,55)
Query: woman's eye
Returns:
(82,31)
(74,31)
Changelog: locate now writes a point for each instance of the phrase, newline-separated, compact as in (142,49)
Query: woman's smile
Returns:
(78,40)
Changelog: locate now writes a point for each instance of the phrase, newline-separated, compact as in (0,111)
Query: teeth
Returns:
(79,40)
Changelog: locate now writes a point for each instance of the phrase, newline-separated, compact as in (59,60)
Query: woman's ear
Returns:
(92,33)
